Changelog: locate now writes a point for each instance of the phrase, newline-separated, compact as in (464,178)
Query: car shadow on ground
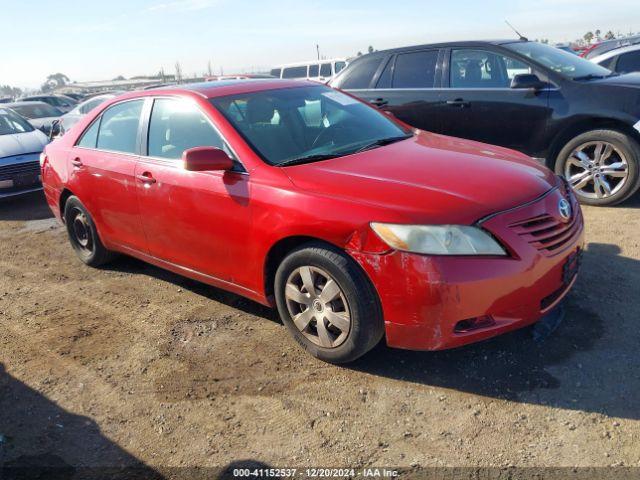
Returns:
(633,202)
(39,439)
(31,206)
(572,367)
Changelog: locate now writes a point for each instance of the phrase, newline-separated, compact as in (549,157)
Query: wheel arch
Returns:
(64,196)
(582,126)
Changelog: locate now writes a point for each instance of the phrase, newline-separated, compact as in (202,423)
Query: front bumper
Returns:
(424,297)
(20,176)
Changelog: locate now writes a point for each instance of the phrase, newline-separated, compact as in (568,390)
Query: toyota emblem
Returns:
(564,209)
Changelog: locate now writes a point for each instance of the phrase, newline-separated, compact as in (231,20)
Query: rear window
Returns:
(295,72)
(360,73)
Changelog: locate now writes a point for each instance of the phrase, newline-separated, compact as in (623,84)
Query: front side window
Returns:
(295,72)
(564,63)
(629,62)
(359,74)
(296,125)
(415,70)
(483,69)
(176,126)
(119,127)
(11,123)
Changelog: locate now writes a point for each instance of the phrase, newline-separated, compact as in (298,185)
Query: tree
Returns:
(359,54)
(53,81)
(119,77)
(598,34)
(370,49)
(609,35)
(588,37)
(9,91)
(209,69)
(178,73)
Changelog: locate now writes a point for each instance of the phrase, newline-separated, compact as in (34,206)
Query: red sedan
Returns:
(301,197)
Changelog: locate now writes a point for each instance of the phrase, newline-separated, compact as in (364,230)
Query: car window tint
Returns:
(295,72)
(415,70)
(119,127)
(339,66)
(276,72)
(360,73)
(90,137)
(325,70)
(313,70)
(176,126)
(483,69)
(90,105)
(385,77)
(608,63)
(629,62)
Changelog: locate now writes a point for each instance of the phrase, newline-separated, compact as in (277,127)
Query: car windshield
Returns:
(40,110)
(304,124)
(10,123)
(565,63)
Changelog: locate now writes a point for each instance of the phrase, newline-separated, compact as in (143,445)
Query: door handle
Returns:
(458,102)
(76,162)
(146,178)
(379,102)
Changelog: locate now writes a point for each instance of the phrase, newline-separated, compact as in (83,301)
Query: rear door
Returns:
(102,166)
(405,84)
(197,220)
(480,105)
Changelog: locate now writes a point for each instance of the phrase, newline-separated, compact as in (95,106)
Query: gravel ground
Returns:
(134,366)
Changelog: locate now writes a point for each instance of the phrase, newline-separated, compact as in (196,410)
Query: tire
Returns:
(356,301)
(83,235)
(578,160)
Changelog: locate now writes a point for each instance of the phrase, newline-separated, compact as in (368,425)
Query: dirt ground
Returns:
(134,366)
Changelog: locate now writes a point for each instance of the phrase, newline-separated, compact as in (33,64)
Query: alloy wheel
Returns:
(597,170)
(318,306)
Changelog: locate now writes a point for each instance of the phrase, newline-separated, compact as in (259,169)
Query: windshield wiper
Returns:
(308,159)
(382,142)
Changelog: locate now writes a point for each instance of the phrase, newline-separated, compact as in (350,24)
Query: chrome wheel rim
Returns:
(82,231)
(318,306)
(597,170)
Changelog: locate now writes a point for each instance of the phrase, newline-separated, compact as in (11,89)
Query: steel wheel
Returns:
(597,170)
(82,235)
(318,306)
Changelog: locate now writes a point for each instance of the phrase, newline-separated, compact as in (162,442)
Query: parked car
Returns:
(69,119)
(319,70)
(237,76)
(599,48)
(581,119)
(301,197)
(41,115)
(20,148)
(620,60)
(61,103)
(78,97)
(567,47)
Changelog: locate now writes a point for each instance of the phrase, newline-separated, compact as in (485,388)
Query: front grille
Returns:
(548,234)
(9,172)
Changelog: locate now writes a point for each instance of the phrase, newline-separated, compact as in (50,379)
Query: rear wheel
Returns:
(602,166)
(328,304)
(83,235)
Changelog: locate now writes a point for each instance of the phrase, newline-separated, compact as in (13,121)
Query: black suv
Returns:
(578,117)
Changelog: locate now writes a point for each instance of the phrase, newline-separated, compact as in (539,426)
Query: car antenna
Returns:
(522,37)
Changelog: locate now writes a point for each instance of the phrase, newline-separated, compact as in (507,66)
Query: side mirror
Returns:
(206,159)
(55,129)
(527,81)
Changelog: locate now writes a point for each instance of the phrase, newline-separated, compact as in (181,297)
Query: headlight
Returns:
(438,239)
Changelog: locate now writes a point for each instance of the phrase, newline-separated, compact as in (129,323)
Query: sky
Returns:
(99,40)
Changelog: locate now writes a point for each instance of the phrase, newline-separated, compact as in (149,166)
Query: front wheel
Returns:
(328,304)
(602,166)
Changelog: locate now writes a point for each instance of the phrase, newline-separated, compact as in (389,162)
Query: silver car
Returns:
(41,115)
(70,119)
(20,148)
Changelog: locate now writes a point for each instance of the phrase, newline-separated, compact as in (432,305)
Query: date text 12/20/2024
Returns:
(371,472)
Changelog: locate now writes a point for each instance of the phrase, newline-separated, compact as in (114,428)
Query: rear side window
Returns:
(629,62)
(295,72)
(313,70)
(119,127)
(90,137)
(276,72)
(360,73)
(415,70)
(325,70)
(176,126)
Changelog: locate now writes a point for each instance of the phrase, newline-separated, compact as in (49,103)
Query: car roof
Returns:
(222,88)
(464,43)
(615,53)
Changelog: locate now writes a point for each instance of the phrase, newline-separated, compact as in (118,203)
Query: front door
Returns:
(480,105)
(197,220)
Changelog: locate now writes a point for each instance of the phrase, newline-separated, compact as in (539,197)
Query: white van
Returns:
(319,70)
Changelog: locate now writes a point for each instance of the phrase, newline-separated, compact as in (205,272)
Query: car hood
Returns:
(430,179)
(21,143)
(625,80)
